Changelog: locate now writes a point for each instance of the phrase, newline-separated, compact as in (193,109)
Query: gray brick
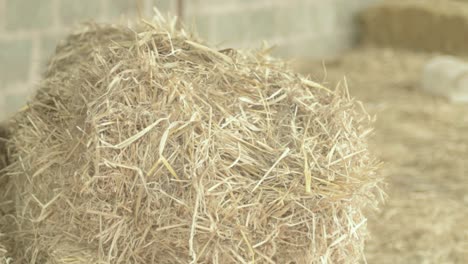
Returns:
(328,46)
(193,7)
(361,4)
(163,6)
(2,15)
(15,58)
(13,102)
(27,14)
(324,17)
(260,23)
(127,8)
(3,110)
(346,12)
(203,25)
(75,11)
(294,19)
(318,47)
(231,27)
(282,21)
(48,43)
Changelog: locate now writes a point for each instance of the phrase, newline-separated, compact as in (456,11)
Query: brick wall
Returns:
(30,29)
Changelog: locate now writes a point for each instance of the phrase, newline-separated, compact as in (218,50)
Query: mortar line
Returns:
(104,15)
(56,15)
(233,7)
(148,8)
(3,13)
(34,68)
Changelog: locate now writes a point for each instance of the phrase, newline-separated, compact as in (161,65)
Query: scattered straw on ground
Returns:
(147,146)
(423,142)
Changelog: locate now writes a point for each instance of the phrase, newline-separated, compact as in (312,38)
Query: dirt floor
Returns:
(423,142)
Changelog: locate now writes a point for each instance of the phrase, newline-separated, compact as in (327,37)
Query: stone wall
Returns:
(30,30)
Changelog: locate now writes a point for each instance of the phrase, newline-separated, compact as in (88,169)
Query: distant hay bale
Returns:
(145,145)
(421,25)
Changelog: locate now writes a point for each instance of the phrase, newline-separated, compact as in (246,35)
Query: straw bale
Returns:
(145,145)
(3,255)
(3,150)
(419,25)
(423,143)
(5,195)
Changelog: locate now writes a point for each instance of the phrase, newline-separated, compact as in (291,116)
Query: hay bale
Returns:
(145,145)
(420,25)
(3,255)
(5,195)
(3,149)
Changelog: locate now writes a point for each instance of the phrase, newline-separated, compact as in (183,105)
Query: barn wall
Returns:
(30,29)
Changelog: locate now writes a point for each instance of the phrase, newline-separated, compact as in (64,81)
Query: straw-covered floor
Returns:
(423,142)
(145,145)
